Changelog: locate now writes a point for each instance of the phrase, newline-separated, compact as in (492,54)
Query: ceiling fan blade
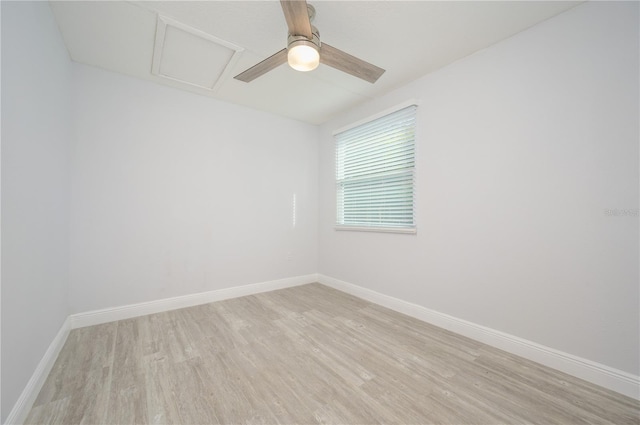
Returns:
(263,67)
(297,17)
(345,62)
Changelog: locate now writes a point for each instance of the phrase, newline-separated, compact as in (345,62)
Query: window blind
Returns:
(375,173)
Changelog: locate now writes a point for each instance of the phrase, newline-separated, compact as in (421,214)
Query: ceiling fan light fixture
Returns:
(303,57)
(304,54)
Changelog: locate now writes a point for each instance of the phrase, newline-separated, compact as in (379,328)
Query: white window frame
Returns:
(378,228)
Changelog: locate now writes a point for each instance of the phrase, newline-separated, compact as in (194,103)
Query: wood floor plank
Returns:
(127,397)
(305,355)
(160,402)
(54,412)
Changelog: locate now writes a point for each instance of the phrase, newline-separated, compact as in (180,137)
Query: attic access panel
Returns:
(191,56)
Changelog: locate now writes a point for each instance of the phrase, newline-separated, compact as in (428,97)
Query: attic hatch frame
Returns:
(163,23)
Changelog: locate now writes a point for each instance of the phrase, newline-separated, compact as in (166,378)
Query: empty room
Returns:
(320,212)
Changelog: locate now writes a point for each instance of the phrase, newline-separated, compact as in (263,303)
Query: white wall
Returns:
(522,148)
(176,194)
(36,135)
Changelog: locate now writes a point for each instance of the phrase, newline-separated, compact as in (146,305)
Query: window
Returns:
(375,173)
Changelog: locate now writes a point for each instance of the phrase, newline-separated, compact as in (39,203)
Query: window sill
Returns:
(411,230)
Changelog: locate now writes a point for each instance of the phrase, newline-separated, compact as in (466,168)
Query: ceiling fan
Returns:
(304,50)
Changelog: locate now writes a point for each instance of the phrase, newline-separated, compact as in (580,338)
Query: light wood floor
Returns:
(305,355)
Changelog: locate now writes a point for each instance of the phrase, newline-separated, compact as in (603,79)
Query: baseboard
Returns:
(106,315)
(599,374)
(22,407)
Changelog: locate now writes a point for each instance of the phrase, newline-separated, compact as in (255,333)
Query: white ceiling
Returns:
(408,39)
